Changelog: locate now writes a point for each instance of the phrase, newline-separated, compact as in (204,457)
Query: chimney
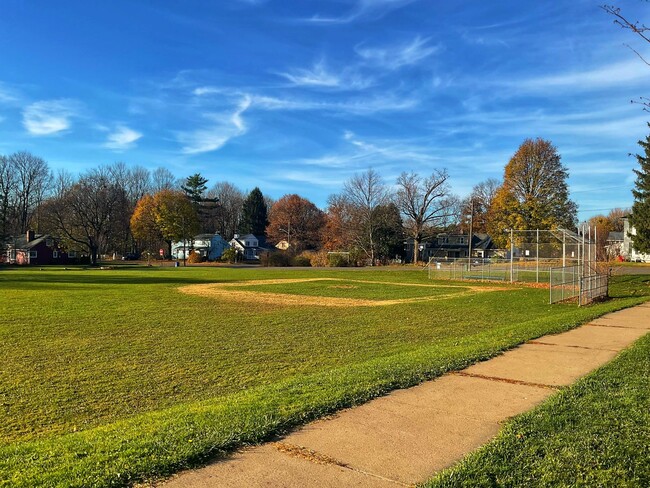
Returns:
(30,235)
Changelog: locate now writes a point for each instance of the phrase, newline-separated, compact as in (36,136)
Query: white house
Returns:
(210,246)
(247,246)
(629,252)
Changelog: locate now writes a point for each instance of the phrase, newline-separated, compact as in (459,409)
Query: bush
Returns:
(318,258)
(301,260)
(194,258)
(337,260)
(229,255)
(275,259)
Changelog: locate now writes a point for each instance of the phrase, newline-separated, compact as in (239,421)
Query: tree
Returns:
(88,213)
(423,203)
(143,224)
(602,226)
(227,215)
(7,195)
(254,214)
(32,182)
(389,233)
(534,193)
(297,221)
(365,192)
(175,216)
(337,230)
(640,217)
(195,187)
(475,211)
(162,179)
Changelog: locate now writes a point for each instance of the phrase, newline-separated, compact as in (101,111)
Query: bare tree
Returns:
(33,181)
(365,192)
(163,179)
(423,203)
(227,215)
(7,196)
(89,213)
(475,212)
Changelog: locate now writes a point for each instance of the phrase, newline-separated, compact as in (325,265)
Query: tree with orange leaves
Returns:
(297,221)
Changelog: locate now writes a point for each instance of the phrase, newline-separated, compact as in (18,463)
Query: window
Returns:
(33,254)
(72,254)
(461,240)
(49,242)
(55,254)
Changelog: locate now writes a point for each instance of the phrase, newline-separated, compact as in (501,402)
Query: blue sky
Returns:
(297,96)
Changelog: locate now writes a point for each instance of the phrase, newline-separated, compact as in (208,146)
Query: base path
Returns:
(407,436)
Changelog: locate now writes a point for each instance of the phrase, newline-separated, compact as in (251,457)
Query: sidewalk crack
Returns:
(507,380)
(540,343)
(319,458)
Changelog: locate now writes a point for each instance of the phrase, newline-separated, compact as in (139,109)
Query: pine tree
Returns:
(254,214)
(194,187)
(640,218)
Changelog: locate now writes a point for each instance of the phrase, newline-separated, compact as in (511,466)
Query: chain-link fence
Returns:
(573,283)
(565,260)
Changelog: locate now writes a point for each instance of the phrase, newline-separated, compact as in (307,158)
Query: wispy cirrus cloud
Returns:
(361,10)
(48,117)
(604,76)
(398,55)
(122,138)
(224,128)
(320,76)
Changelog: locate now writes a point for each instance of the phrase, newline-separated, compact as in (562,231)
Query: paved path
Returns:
(405,437)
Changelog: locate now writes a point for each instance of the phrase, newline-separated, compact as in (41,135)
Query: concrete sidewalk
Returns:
(405,437)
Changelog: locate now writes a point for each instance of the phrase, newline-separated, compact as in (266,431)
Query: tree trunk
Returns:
(416,250)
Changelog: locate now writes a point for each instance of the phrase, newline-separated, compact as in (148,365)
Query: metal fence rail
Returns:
(570,283)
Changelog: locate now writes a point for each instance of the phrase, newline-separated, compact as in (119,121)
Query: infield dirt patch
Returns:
(228,291)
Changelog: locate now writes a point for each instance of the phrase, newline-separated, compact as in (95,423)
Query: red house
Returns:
(38,250)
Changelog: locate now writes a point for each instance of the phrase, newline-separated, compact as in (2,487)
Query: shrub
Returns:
(337,260)
(194,258)
(301,260)
(275,259)
(318,258)
(229,255)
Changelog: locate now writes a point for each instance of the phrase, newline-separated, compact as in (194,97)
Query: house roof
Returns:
(21,242)
(615,236)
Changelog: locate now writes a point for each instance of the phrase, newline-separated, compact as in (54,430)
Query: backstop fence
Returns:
(565,260)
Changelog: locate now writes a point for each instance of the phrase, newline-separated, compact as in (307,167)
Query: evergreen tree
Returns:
(640,217)
(254,214)
(194,187)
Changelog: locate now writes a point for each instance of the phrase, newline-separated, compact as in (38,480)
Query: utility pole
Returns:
(471,234)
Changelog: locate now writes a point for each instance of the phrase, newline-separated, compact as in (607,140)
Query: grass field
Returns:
(114,376)
(595,433)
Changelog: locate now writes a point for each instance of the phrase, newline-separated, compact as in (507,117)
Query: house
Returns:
(247,246)
(283,245)
(38,249)
(447,246)
(614,244)
(209,246)
(629,252)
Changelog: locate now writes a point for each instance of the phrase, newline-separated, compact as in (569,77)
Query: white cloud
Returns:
(226,127)
(319,76)
(49,117)
(362,10)
(396,56)
(122,138)
(607,76)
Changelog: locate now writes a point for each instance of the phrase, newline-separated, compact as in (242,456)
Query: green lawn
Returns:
(114,376)
(595,433)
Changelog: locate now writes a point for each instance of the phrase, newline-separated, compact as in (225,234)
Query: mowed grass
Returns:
(595,433)
(113,376)
(356,289)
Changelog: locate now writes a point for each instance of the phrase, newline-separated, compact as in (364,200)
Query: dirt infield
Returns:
(228,291)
